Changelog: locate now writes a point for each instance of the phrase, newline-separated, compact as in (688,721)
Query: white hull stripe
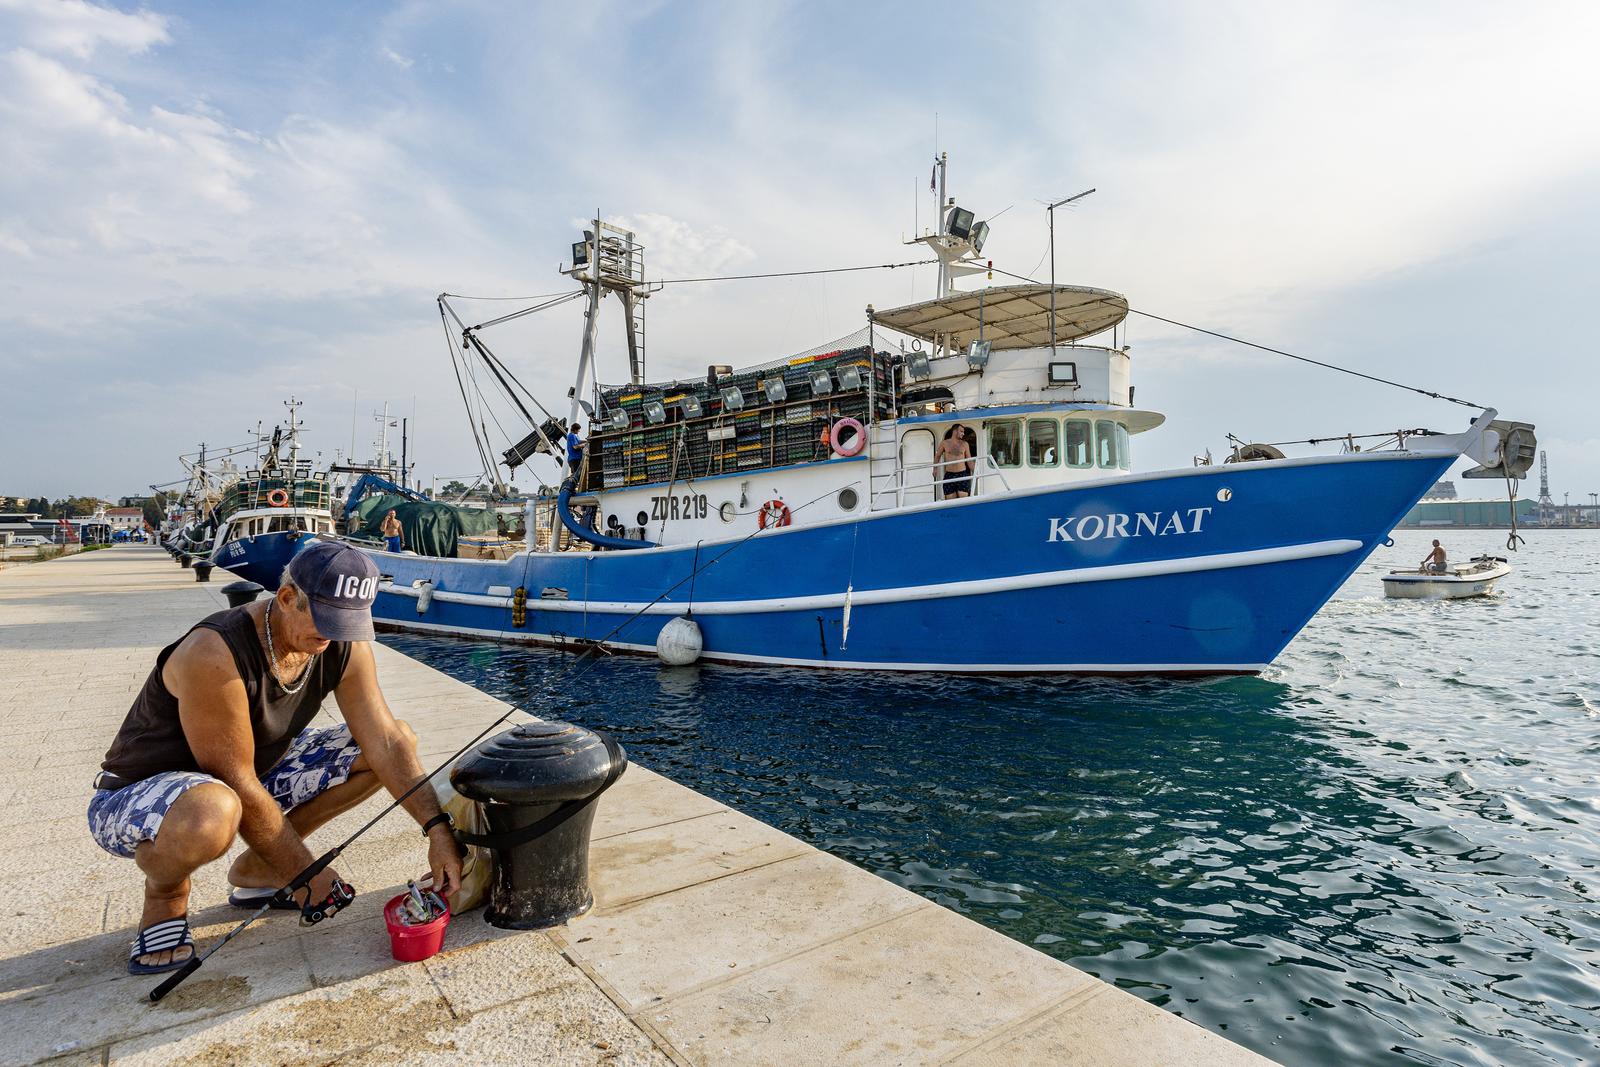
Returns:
(712,656)
(902,594)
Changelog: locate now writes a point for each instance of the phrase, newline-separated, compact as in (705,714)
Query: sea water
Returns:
(1386,848)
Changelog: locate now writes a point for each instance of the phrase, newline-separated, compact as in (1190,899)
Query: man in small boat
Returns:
(1434,562)
(954,458)
(219,743)
(393,533)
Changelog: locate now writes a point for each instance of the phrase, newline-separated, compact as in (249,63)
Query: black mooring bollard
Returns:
(241,593)
(202,570)
(537,784)
(185,560)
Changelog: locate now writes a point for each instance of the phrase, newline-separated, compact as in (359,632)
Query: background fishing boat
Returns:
(255,521)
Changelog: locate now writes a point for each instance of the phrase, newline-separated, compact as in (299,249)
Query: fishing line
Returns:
(317,866)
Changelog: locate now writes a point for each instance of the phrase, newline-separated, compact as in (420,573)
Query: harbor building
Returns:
(1469,514)
(125,518)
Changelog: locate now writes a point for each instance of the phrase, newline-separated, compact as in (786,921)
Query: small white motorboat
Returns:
(1474,578)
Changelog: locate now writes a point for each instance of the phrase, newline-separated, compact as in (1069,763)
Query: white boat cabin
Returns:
(256,522)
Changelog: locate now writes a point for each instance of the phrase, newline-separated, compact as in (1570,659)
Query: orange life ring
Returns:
(774,513)
(857,442)
(277,498)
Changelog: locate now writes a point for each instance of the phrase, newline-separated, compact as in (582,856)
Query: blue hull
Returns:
(1204,571)
(261,559)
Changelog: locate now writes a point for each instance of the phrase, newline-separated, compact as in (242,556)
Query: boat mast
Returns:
(608,259)
(943,163)
(384,460)
(294,434)
(958,241)
(591,328)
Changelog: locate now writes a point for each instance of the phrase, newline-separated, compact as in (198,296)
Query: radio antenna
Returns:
(1051,211)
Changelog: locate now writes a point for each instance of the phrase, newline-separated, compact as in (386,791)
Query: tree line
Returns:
(70,507)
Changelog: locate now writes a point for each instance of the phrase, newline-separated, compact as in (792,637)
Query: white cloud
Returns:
(128,206)
(1249,153)
(678,249)
(1253,162)
(78,29)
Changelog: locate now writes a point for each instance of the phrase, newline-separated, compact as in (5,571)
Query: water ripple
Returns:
(1385,849)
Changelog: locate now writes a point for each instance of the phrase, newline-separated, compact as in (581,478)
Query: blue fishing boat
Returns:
(267,514)
(817,510)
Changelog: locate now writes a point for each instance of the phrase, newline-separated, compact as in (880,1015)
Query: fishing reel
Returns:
(336,901)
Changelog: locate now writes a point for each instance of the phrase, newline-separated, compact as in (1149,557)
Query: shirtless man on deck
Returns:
(953,457)
(219,743)
(393,532)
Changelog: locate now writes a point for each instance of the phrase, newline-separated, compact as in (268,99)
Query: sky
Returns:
(208,208)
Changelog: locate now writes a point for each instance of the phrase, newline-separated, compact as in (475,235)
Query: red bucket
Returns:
(412,943)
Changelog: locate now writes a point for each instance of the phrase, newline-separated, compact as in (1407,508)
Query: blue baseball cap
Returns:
(341,582)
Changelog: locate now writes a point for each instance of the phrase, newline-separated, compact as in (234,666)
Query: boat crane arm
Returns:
(374,481)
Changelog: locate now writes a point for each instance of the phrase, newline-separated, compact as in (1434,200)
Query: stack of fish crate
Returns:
(759,435)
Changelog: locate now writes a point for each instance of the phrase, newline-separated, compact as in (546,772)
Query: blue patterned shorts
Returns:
(318,760)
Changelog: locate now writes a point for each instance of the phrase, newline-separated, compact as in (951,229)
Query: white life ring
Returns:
(773,513)
(858,439)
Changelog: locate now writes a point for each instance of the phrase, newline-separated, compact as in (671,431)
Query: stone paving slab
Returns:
(715,938)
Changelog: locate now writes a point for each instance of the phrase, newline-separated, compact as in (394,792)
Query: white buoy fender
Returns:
(679,642)
(424,596)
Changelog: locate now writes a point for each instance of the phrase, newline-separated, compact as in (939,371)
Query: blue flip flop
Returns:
(254,898)
(159,937)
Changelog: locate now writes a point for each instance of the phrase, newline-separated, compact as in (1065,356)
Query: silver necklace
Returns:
(272,659)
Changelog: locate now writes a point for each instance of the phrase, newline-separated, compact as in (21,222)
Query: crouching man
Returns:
(219,743)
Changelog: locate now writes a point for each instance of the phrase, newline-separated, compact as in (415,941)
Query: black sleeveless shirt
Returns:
(151,739)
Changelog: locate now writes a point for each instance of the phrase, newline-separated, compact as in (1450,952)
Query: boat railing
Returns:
(898,488)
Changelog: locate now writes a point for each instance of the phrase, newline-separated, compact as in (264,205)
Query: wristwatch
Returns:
(442,817)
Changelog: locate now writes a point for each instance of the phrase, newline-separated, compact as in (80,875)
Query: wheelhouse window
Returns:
(1044,445)
(1107,454)
(1124,453)
(1005,444)
(1079,434)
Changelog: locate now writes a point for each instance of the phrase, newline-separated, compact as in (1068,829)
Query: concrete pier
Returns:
(715,939)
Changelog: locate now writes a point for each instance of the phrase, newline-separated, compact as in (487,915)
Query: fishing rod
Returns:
(317,866)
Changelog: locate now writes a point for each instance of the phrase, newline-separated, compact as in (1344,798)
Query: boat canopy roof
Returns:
(1010,316)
